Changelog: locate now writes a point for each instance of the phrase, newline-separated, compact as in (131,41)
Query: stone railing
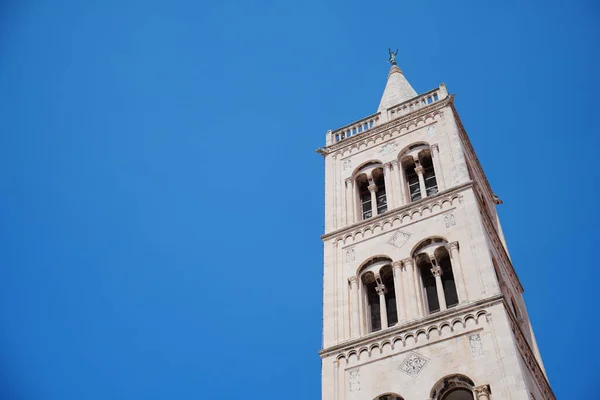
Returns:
(353,129)
(391,113)
(417,103)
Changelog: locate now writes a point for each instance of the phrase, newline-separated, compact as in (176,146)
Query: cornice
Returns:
(397,211)
(529,357)
(432,108)
(469,145)
(416,326)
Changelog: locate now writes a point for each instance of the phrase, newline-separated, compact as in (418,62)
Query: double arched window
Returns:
(379,294)
(370,183)
(437,276)
(417,165)
(379,187)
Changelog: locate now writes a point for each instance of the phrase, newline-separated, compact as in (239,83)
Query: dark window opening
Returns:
(433,303)
(429,174)
(380,195)
(387,278)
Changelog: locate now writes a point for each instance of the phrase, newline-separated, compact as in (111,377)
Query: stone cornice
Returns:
(397,211)
(433,107)
(469,147)
(501,251)
(528,355)
(426,322)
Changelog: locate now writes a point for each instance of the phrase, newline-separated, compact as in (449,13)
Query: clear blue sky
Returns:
(129,269)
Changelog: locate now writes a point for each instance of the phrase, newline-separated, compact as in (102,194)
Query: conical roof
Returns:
(397,89)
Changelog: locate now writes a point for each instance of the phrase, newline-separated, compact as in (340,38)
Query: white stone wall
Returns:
(475,338)
(476,345)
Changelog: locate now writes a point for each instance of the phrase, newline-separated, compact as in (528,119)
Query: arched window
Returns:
(419,171)
(372,193)
(390,396)
(454,387)
(431,185)
(379,182)
(364,194)
(379,294)
(437,277)
(412,179)
(459,394)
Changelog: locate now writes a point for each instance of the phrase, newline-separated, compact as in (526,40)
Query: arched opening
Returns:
(437,277)
(387,279)
(372,302)
(459,394)
(443,259)
(428,283)
(366,207)
(389,396)
(453,387)
(431,185)
(378,294)
(412,179)
(379,182)
(515,308)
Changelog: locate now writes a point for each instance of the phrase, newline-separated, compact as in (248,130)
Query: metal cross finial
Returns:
(392,59)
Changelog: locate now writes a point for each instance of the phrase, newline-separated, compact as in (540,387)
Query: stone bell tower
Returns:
(420,297)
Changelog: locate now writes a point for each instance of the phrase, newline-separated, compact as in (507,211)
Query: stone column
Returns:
(389,192)
(420,171)
(397,269)
(350,200)
(401,184)
(373,190)
(409,289)
(437,167)
(355,307)
(382,307)
(457,270)
(482,392)
(439,287)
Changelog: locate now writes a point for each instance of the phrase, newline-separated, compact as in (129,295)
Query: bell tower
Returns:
(420,297)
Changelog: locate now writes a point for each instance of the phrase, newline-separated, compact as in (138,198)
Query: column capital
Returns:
(353,280)
(452,246)
(394,163)
(419,170)
(435,147)
(388,165)
(482,392)
(348,181)
(381,289)
(408,262)
(372,188)
(397,264)
(436,271)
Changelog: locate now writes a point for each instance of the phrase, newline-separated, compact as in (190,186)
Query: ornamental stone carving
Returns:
(413,364)
(398,239)
(354,380)
(347,164)
(476,345)
(449,220)
(350,255)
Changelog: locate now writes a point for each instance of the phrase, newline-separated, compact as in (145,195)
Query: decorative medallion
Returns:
(413,364)
(347,164)
(449,220)
(388,148)
(350,255)
(354,380)
(476,345)
(398,239)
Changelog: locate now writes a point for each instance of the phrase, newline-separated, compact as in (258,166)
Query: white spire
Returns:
(397,89)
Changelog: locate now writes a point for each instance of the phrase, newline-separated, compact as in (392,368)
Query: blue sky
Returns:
(130,269)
